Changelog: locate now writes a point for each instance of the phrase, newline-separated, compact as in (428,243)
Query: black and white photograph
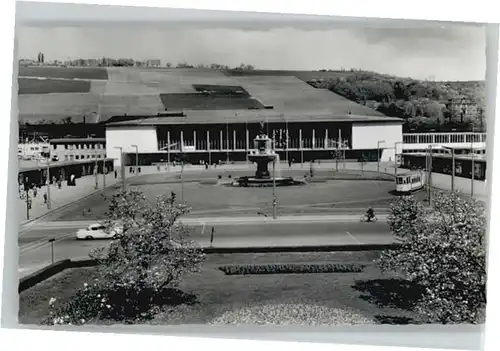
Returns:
(237,168)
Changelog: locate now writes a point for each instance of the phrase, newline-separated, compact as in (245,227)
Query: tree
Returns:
(443,250)
(67,120)
(152,253)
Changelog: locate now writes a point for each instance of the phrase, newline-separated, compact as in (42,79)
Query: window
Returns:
(77,157)
(66,157)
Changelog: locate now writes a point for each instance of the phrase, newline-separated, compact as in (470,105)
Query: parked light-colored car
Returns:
(98,231)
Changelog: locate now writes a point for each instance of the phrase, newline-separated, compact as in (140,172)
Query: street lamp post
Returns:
(96,173)
(48,185)
(104,172)
(429,172)
(274,178)
(136,158)
(337,157)
(182,179)
(378,154)
(122,166)
(472,163)
(227,142)
(286,139)
(452,151)
(274,188)
(396,156)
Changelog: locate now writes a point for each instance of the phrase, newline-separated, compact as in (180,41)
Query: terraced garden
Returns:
(49,86)
(63,72)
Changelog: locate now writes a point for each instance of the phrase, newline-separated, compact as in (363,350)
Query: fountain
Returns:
(262,155)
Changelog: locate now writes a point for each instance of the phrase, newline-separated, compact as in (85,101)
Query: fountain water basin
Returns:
(262,155)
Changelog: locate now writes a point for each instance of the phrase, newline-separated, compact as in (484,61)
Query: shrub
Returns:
(443,249)
(151,255)
(292,268)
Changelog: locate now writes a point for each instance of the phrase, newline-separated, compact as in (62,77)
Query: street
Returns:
(35,250)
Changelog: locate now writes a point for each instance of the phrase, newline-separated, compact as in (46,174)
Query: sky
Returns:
(421,50)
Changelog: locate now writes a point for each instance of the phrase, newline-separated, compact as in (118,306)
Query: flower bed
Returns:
(292,268)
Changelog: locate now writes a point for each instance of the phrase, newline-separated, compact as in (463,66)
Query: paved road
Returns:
(222,200)
(36,252)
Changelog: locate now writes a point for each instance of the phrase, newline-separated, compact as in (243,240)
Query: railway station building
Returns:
(217,123)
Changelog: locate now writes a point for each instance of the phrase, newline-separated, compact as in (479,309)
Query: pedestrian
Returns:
(35,191)
(59,183)
(45,198)
(206,165)
(289,163)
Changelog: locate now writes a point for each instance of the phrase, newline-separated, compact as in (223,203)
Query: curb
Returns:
(57,267)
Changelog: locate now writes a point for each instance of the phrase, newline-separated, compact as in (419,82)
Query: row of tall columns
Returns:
(225,145)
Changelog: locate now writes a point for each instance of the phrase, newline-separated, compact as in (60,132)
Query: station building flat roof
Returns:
(245,116)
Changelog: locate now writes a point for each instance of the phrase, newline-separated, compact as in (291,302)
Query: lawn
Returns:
(47,86)
(63,72)
(317,299)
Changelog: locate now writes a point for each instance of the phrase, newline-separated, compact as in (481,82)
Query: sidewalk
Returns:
(61,197)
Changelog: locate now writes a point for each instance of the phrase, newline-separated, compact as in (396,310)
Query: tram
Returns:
(410,182)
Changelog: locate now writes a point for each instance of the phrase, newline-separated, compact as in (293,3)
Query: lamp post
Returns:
(227,142)
(378,154)
(104,172)
(395,156)
(122,166)
(472,163)
(48,185)
(429,172)
(274,179)
(136,158)
(452,151)
(286,139)
(96,173)
(337,157)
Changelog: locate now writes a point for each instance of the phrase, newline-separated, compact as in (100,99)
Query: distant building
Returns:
(32,150)
(152,63)
(73,149)
(41,58)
